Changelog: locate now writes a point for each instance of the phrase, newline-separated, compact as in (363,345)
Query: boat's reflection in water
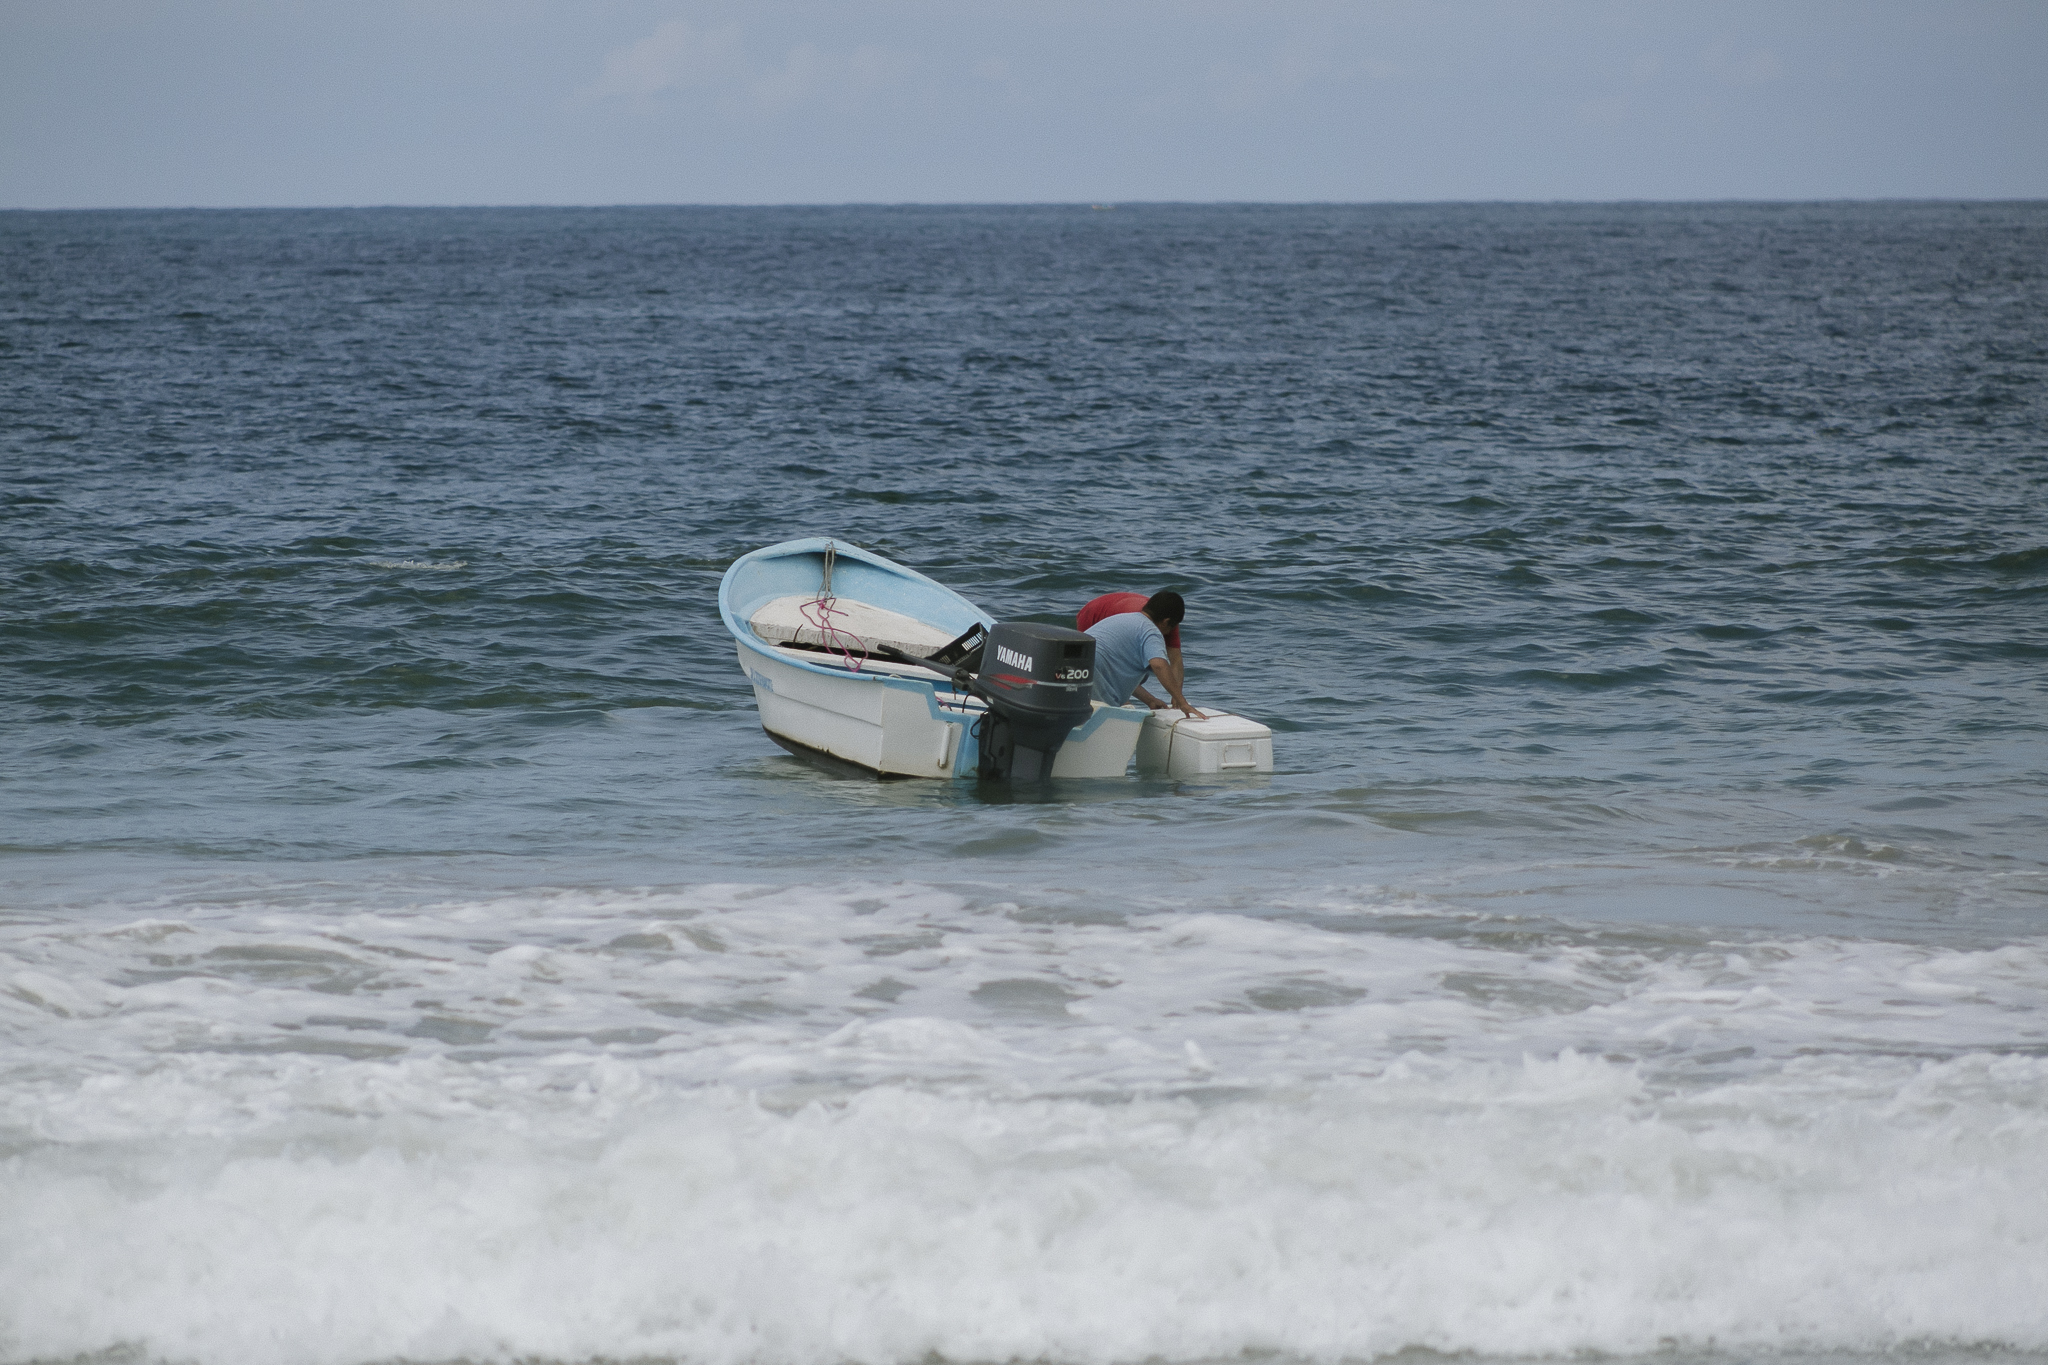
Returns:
(847,783)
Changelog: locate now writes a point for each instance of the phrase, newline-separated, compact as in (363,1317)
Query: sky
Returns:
(157,103)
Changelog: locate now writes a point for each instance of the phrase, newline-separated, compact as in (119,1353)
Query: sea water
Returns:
(411,948)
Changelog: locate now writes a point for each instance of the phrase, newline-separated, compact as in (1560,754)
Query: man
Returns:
(1130,644)
(1117,604)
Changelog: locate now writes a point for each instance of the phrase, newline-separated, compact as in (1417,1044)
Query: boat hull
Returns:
(810,617)
(908,727)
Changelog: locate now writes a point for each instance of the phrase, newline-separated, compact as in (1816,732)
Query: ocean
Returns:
(412,949)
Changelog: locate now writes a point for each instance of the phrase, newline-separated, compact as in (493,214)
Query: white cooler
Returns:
(1209,743)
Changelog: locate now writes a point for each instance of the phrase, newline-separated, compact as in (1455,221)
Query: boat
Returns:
(863,662)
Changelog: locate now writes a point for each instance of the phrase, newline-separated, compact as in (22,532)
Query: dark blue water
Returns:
(1650,603)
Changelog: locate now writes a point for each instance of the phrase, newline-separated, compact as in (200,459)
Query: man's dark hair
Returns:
(1167,608)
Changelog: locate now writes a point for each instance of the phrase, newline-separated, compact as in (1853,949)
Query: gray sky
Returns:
(300,102)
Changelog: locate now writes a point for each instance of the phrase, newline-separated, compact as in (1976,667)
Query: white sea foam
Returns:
(415,563)
(797,1124)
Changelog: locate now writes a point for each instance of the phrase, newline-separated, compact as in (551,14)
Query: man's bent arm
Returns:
(1163,671)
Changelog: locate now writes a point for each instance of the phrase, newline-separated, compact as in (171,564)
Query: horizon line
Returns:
(1105,205)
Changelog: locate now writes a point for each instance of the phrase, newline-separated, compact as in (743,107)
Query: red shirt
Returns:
(1120,604)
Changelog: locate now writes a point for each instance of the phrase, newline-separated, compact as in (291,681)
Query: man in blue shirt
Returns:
(1129,646)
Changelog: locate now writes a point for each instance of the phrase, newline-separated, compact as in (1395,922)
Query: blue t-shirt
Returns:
(1124,646)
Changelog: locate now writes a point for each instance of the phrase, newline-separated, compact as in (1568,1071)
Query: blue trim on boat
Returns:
(1097,721)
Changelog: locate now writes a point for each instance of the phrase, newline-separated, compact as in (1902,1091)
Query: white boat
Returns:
(849,656)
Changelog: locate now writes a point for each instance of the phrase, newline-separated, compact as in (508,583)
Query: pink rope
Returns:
(833,635)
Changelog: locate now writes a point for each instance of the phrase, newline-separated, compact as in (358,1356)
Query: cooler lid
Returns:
(1219,725)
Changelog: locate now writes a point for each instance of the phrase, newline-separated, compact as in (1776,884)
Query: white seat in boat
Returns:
(854,625)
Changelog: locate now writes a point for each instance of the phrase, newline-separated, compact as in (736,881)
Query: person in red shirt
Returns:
(1170,606)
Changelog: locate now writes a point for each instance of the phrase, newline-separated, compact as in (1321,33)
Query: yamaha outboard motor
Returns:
(1037,681)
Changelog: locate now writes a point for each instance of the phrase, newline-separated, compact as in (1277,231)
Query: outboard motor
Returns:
(1037,681)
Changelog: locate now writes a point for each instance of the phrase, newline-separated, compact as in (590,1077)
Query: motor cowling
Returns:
(1037,681)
